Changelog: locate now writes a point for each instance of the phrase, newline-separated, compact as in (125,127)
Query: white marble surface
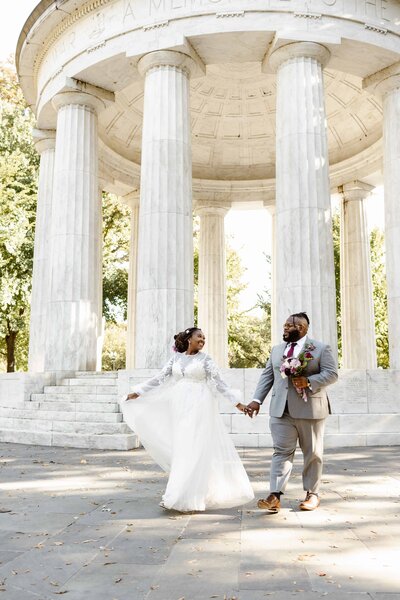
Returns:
(232,119)
(132,276)
(101,43)
(365,406)
(391,161)
(74,317)
(164,299)
(212,309)
(357,305)
(45,145)
(304,254)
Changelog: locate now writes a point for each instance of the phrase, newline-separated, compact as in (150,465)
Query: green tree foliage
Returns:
(116,235)
(380,297)
(114,347)
(336,258)
(18,189)
(377,249)
(249,335)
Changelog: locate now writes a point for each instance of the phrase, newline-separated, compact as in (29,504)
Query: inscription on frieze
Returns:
(117,16)
(384,10)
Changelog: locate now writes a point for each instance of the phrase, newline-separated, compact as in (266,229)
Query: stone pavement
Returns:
(86,525)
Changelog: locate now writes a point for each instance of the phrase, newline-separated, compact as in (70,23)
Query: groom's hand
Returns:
(252,409)
(300,382)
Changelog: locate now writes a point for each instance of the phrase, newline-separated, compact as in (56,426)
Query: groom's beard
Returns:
(291,336)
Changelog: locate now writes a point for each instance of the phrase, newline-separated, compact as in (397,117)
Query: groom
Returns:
(292,418)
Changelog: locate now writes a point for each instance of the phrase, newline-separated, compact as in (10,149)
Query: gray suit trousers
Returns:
(286,431)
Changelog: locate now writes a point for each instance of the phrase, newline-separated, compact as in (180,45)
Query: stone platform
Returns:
(83,409)
(86,524)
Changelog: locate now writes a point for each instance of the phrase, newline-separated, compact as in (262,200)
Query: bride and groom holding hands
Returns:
(176,417)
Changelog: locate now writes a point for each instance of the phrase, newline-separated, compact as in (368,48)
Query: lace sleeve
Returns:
(155,381)
(214,376)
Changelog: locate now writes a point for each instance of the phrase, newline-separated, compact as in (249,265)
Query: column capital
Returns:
(166,58)
(84,94)
(383,82)
(298,50)
(205,207)
(44,139)
(132,199)
(356,190)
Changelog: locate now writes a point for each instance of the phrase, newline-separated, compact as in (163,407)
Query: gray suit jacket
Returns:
(320,371)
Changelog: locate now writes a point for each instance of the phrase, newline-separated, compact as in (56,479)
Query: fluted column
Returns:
(45,145)
(357,305)
(386,84)
(276,327)
(74,318)
(304,258)
(212,280)
(132,276)
(164,299)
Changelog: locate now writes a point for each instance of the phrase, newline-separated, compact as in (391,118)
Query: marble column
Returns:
(386,84)
(305,279)
(164,298)
(357,305)
(45,145)
(133,203)
(276,328)
(212,317)
(74,317)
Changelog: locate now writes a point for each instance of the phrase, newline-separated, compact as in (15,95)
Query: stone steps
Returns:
(91,374)
(82,412)
(49,415)
(81,389)
(123,441)
(63,426)
(58,396)
(68,405)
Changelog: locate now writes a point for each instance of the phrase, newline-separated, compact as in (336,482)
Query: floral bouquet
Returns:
(295,367)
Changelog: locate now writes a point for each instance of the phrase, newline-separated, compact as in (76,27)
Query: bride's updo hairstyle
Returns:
(182,339)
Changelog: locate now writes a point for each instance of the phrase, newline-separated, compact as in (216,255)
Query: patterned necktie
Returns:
(291,349)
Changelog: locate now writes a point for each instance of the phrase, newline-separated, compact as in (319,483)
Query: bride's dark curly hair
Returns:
(182,339)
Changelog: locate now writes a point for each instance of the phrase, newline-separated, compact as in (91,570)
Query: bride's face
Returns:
(197,340)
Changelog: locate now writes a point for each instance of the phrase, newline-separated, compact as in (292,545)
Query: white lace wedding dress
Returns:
(178,422)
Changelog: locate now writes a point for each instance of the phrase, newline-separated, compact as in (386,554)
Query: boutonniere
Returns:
(306,355)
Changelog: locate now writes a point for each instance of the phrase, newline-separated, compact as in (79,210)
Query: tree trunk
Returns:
(10,344)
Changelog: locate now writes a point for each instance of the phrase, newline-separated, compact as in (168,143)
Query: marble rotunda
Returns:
(202,106)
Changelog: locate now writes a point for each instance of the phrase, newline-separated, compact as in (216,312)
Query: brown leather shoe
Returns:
(311,502)
(272,503)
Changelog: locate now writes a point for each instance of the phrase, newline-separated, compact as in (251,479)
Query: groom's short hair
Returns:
(301,315)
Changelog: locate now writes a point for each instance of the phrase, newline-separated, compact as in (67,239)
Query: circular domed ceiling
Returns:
(233,121)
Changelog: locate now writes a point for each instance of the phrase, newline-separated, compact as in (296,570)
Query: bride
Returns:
(177,420)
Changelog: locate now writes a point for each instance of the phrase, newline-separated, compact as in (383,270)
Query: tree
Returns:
(380,296)
(116,236)
(18,189)
(377,255)
(249,335)
(336,259)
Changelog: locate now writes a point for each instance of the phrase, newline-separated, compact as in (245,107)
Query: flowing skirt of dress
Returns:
(179,425)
